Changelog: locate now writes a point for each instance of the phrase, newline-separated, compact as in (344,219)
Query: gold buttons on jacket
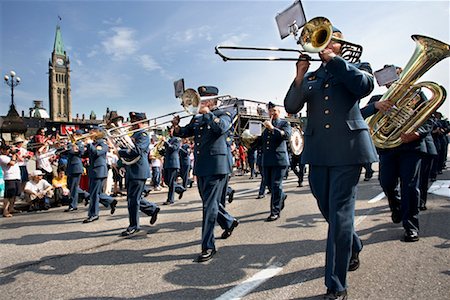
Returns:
(326,97)
(327,85)
(327,111)
(327,126)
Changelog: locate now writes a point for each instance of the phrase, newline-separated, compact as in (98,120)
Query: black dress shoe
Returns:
(411,236)
(180,195)
(86,202)
(90,219)
(342,295)
(206,255)
(227,233)
(231,196)
(260,196)
(272,218)
(70,209)
(423,207)
(396,216)
(129,232)
(167,203)
(282,203)
(154,216)
(354,262)
(300,184)
(113,206)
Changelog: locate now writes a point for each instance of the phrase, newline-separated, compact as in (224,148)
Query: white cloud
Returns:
(192,34)
(234,40)
(92,53)
(117,21)
(121,44)
(148,63)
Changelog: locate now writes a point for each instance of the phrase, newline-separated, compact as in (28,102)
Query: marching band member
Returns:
(402,163)
(74,170)
(337,144)
(185,162)
(171,166)
(275,159)
(211,165)
(136,176)
(97,172)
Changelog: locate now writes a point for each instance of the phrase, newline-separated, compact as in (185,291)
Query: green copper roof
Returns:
(58,47)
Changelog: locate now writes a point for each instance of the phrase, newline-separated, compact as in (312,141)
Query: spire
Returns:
(58,47)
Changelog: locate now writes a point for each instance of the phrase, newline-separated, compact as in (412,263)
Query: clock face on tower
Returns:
(59,62)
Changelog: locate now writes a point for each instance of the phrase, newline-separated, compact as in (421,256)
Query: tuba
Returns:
(408,112)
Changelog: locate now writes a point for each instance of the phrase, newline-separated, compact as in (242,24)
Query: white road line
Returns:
(377,198)
(250,284)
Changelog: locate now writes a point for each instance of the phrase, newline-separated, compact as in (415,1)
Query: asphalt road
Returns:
(52,255)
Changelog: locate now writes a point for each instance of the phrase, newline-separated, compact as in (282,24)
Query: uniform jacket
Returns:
(336,133)
(422,145)
(185,155)
(211,153)
(172,153)
(141,169)
(74,163)
(274,146)
(96,152)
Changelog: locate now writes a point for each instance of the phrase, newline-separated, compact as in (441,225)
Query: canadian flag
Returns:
(68,129)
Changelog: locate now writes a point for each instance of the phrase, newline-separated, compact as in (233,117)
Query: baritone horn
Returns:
(315,36)
(410,111)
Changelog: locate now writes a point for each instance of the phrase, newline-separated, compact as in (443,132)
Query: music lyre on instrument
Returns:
(408,113)
(315,36)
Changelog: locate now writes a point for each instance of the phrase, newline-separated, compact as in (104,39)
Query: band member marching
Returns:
(136,176)
(275,159)
(171,166)
(337,144)
(74,170)
(97,171)
(211,165)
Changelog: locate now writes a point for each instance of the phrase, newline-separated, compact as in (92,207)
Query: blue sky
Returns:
(126,54)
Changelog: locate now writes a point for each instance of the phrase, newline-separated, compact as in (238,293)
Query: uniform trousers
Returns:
(273,177)
(184,174)
(170,176)
(95,189)
(73,181)
(136,202)
(425,172)
(335,191)
(406,166)
(211,189)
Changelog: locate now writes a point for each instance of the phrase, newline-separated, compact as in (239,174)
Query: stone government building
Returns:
(60,118)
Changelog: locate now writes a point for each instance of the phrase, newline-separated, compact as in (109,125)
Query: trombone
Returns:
(191,102)
(315,36)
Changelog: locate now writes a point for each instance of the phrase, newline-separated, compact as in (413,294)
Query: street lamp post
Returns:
(12,80)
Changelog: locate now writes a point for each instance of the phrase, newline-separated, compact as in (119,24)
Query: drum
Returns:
(296,141)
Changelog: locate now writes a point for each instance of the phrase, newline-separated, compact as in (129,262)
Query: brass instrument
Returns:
(315,36)
(157,149)
(408,112)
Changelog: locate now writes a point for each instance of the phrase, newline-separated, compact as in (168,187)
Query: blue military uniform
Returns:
(97,172)
(211,166)
(275,161)
(402,162)
(74,171)
(136,176)
(337,144)
(171,165)
(185,163)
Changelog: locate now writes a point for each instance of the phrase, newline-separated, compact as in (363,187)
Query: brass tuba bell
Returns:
(408,113)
